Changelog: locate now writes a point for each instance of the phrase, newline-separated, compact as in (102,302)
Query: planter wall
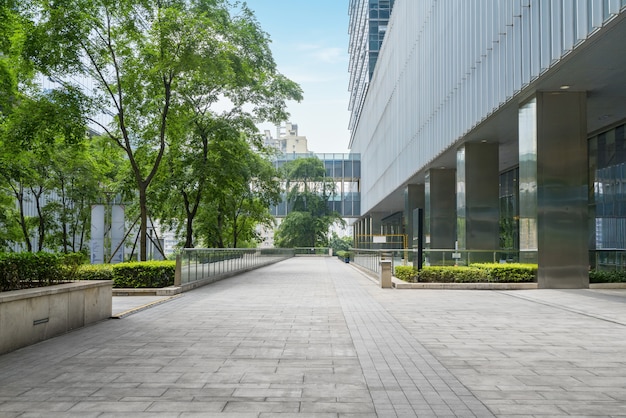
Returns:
(32,315)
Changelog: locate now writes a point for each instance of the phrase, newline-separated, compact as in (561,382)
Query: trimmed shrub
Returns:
(27,270)
(437,274)
(612,276)
(406,273)
(147,274)
(479,272)
(469,275)
(95,272)
(508,273)
(343,255)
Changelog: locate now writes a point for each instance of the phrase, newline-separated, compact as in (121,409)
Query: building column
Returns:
(360,232)
(440,210)
(477,182)
(376,223)
(413,199)
(553,188)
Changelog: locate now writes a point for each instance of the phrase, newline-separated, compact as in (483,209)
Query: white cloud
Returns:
(329,55)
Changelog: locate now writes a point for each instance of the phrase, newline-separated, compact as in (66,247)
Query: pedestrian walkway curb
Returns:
(142,307)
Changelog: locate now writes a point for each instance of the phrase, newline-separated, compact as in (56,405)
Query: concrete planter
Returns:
(29,316)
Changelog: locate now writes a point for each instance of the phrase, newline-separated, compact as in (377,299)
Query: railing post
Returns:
(178,271)
(385,274)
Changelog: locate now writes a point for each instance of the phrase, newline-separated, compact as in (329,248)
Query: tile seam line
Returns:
(349,325)
(563,308)
(407,336)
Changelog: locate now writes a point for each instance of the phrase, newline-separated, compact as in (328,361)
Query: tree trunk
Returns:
(143,225)
(20,201)
(42,224)
(189,232)
(191,215)
(64,217)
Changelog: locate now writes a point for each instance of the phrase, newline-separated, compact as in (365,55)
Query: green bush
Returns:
(406,273)
(95,272)
(613,276)
(27,270)
(469,275)
(437,274)
(508,273)
(343,255)
(148,274)
(479,272)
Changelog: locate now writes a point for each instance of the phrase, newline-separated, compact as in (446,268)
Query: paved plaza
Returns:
(314,337)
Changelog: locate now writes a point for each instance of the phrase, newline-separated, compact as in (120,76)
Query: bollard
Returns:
(385,274)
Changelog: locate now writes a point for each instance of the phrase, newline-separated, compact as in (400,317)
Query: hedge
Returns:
(28,270)
(343,254)
(147,274)
(480,272)
(406,273)
(613,276)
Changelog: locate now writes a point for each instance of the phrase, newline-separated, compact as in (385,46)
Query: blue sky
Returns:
(310,46)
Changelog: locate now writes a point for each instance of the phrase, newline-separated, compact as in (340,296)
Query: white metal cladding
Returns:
(446,65)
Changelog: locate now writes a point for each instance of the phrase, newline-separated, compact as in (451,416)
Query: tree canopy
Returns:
(308,192)
(163,79)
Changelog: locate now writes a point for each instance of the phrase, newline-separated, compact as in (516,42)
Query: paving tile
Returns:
(316,338)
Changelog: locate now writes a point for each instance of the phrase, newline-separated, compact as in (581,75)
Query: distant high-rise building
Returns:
(368,25)
(287,139)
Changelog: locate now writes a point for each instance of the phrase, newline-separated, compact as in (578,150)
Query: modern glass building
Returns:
(368,25)
(344,170)
(504,121)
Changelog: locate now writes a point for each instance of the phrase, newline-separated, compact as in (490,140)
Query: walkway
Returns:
(316,338)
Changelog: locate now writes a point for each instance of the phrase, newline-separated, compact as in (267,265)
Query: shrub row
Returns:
(148,274)
(342,255)
(27,270)
(483,272)
(613,276)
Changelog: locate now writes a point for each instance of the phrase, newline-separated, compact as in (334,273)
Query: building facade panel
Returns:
(446,67)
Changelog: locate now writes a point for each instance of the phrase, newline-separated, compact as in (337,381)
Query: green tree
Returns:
(151,58)
(308,193)
(338,243)
(250,190)
(35,127)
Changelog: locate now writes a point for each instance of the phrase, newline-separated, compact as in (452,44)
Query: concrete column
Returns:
(376,223)
(440,209)
(360,233)
(553,188)
(477,180)
(385,274)
(413,199)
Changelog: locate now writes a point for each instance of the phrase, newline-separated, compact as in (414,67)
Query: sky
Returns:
(309,42)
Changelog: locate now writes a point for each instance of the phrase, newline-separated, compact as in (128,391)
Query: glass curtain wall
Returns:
(344,169)
(607,191)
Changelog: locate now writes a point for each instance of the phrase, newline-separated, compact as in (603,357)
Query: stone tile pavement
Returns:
(314,337)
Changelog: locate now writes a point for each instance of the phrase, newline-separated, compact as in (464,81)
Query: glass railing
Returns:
(607,260)
(201,264)
(370,259)
(317,251)
(601,260)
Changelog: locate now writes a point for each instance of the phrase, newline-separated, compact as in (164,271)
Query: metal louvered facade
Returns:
(368,25)
(448,68)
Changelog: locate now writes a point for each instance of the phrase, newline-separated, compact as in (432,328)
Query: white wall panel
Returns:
(446,65)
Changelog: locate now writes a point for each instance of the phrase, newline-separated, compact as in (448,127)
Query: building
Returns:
(343,169)
(504,122)
(287,140)
(368,25)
